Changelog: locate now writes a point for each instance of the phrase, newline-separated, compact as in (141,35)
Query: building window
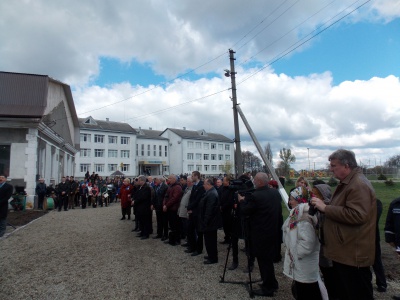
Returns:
(137,149)
(220,157)
(85,168)
(213,156)
(221,167)
(198,145)
(99,138)
(227,147)
(112,153)
(124,140)
(206,156)
(99,168)
(220,147)
(154,150)
(142,149)
(124,153)
(198,156)
(85,137)
(98,152)
(198,168)
(112,167)
(213,146)
(112,139)
(166,151)
(213,167)
(206,146)
(190,156)
(206,168)
(148,150)
(190,145)
(227,157)
(160,151)
(125,168)
(190,168)
(85,152)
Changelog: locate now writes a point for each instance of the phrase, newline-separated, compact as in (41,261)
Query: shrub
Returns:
(332,181)
(389,182)
(289,181)
(382,177)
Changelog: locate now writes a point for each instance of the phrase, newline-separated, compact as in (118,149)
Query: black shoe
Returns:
(145,237)
(275,289)
(136,229)
(225,242)
(195,253)
(123,218)
(263,292)
(381,289)
(246,270)
(166,241)
(233,266)
(396,297)
(206,257)
(210,262)
(139,235)
(189,251)
(128,216)
(157,237)
(164,238)
(185,245)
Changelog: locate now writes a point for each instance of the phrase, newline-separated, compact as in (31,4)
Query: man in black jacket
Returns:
(40,191)
(142,202)
(263,207)
(63,190)
(160,189)
(6,191)
(195,238)
(210,220)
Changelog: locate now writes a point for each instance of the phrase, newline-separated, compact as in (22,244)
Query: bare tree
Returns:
(268,153)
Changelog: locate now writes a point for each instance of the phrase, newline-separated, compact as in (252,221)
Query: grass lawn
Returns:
(384,193)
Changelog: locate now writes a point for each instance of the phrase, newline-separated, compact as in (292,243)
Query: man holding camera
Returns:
(263,207)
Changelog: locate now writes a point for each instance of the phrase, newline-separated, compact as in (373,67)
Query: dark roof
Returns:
(150,134)
(200,135)
(100,125)
(23,95)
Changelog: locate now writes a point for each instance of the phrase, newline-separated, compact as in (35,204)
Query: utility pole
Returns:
(238,150)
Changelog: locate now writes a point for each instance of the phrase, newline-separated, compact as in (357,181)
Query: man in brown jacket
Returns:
(349,227)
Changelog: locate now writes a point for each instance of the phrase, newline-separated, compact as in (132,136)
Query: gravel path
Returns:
(91,254)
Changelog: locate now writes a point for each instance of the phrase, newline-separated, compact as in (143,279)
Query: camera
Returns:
(241,186)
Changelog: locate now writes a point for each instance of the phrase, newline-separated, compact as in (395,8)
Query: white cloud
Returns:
(296,113)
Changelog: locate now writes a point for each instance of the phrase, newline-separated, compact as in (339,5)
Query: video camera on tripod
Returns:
(241,186)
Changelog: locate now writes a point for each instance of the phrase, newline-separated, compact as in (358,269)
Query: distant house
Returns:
(39,131)
(191,150)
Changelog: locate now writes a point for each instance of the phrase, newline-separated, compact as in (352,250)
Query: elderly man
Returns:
(6,191)
(264,209)
(171,203)
(209,220)
(142,201)
(160,189)
(182,211)
(349,227)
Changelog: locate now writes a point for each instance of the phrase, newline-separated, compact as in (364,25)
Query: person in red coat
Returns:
(125,196)
(171,202)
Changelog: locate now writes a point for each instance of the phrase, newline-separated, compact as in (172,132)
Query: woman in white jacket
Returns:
(302,248)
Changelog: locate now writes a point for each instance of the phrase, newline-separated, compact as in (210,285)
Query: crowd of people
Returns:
(331,240)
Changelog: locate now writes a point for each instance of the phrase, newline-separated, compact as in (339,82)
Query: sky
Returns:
(312,75)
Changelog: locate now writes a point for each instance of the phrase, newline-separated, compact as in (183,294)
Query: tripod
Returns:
(246,235)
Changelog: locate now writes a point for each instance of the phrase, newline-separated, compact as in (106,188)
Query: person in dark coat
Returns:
(226,201)
(40,191)
(160,189)
(263,207)
(195,239)
(6,191)
(63,191)
(171,202)
(142,202)
(209,220)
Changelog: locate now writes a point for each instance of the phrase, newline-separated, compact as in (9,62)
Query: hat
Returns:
(273,183)
(298,194)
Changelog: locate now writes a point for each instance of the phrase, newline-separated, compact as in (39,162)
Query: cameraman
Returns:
(263,207)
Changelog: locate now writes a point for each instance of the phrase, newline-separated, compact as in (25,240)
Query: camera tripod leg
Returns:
(9,224)
(226,262)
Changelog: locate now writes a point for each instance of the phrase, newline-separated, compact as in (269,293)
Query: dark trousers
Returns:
(144,223)
(330,281)
(267,270)
(308,291)
(159,219)
(173,221)
(63,201)
(210,241)
(76,199)
(195,239)
(40,201)
(378,266)
(84,201)
(126,211)
(184,227)
(227,221)
(353,282)
(165,224)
